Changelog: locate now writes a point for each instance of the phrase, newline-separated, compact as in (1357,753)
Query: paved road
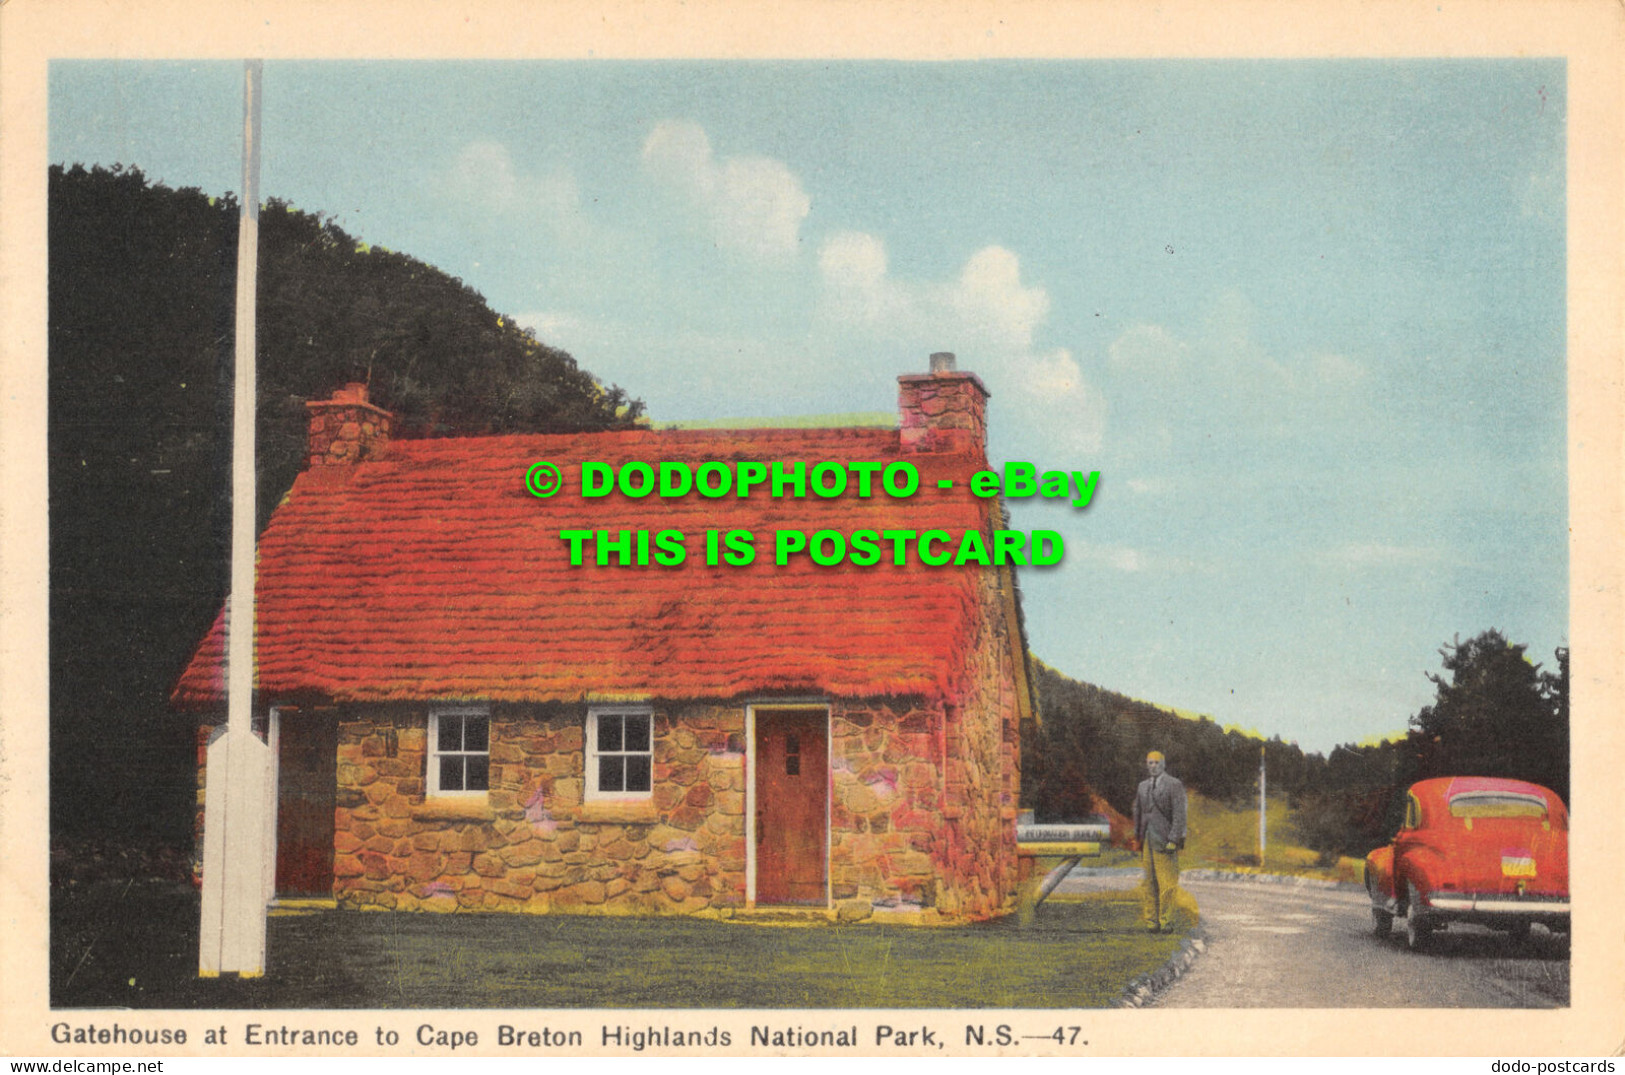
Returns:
(1276,946)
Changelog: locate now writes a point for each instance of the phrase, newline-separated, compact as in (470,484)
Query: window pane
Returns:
(611,774)
(637,772)
(477,733)
(451,733)
(478,768)
(637,732)
(792,765)
(1492,804)
(609,732)
(451,772)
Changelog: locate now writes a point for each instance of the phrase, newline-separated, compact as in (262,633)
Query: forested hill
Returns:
(1096,739)
(1496,713)
(142,279)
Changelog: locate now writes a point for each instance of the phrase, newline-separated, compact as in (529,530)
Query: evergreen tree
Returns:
(1496,715)
(1095,741)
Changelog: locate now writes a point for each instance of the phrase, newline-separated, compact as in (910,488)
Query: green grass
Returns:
(135,946)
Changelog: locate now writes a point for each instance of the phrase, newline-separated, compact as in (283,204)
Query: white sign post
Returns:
(1068,841)
(238,840)
(1261,807)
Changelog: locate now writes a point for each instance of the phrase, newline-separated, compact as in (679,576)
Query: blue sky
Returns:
(1305,317)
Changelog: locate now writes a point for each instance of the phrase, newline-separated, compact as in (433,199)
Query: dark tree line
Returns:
(1496,713)
(1095,739)
(142,281)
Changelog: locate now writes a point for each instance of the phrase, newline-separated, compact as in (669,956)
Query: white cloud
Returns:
(1054,374)
(985,308)
(482,179)
(754,205)
(993,305)
(852,266)
(985,312)
(1147,349)
(1220,393)
(1052,388)
(483,175)
(679,152)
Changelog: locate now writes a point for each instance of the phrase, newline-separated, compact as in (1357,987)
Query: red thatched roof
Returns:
(434,574)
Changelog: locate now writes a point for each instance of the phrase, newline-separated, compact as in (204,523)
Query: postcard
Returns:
(839,529)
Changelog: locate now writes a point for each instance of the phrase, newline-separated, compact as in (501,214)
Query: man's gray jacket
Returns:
(1159,816)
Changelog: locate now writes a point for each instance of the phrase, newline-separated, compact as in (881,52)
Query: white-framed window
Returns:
(459,750)
(620,752)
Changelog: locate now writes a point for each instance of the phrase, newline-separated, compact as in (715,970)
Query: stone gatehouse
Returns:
(465,721)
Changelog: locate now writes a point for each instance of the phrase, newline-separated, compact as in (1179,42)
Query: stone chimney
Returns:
(944,410)
(347,429)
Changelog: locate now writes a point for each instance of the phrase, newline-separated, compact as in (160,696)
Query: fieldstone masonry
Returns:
(898,849)
(922,792)
(922,807)
(533,844)
(347,429)
(945,411)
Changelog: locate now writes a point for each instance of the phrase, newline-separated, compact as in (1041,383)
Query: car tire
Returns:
(1418,927)
(1382,919)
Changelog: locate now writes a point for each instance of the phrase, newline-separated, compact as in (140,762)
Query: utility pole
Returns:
(239,804)
(1261,783)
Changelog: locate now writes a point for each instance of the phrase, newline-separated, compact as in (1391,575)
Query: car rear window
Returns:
(1496,804)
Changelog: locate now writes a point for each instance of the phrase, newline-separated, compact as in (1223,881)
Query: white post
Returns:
(237,843)
(1261,806)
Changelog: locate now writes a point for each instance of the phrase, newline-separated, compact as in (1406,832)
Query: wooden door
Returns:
(792,806)
(307,779)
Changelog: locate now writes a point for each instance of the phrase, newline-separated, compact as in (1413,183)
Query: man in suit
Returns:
(1159,830)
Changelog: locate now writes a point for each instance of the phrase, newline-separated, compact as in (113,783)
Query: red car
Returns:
(1473,849)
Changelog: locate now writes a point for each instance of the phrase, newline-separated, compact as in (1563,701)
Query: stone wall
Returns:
(533,844)
(982,765)
(886,811)
(347,429)
(942,412)
(922,811)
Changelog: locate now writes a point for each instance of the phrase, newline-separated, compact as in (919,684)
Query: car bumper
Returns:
(1494,909)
